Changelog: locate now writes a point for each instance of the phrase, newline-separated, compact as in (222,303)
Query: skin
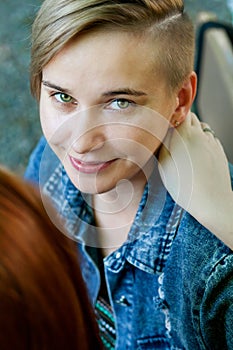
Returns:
(210,199)
(105,118)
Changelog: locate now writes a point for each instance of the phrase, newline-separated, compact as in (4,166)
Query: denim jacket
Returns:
(170,284)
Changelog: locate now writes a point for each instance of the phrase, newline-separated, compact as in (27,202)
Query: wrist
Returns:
(219,219)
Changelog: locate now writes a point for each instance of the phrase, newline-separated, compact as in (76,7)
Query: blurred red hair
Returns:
(43,300)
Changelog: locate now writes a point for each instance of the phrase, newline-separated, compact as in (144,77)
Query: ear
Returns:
(185,98)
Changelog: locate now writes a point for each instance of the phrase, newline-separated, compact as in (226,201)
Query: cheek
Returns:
(54,128)
(48,124)
(148,141)
(138,147)
(153,127)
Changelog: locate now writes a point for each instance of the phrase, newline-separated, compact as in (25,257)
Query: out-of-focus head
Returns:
(43,300)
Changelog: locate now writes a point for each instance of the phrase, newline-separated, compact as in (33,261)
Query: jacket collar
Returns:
(151,234)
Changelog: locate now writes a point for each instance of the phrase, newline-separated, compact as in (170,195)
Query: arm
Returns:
(216,309)
(195,171)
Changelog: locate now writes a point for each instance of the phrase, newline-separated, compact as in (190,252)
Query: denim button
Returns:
(118,255)
(161,292)
(123,301)
(160,279)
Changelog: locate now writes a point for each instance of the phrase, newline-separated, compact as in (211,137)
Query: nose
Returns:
(91,140)
(89,132)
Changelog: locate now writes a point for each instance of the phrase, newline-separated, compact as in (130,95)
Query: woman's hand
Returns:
(195,171)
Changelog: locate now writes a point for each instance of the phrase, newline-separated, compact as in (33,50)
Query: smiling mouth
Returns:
(90,167)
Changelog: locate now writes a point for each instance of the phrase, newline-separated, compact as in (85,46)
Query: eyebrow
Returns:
(56,87)
(123,91)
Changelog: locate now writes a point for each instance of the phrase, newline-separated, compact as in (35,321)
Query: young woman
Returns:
(112,78)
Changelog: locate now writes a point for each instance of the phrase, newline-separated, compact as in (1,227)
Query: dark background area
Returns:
(19,121)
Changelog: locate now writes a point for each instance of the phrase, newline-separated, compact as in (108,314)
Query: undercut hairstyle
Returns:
(43,299)
(171,29)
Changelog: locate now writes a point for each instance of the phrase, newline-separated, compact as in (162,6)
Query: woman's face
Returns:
(104,108)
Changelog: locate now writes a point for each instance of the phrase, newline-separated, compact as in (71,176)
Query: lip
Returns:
(89,167)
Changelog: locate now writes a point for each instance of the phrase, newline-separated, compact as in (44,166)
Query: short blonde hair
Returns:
(57,22)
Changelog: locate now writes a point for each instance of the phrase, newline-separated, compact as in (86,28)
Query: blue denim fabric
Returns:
(170,284)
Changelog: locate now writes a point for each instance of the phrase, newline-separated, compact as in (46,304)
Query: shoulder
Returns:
(199,274)
(195,254)
(202,244)
(216,306)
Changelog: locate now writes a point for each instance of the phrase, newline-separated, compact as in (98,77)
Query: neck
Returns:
(124,198)
(115,211)
(121,202)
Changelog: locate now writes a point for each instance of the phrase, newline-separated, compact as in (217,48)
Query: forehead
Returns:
(104,41)
(107,54)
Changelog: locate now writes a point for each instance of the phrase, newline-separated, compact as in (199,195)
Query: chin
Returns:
(91,185)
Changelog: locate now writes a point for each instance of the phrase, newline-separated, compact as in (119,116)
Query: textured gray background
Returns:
(19,121)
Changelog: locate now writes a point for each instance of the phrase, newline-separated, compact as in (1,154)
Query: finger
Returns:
(220,145)
(188,119)
(205,125)
(191,120)
(186,123)
(167,140)
(195,121)
(181,130)
(165,164)
(207,129)
(163,154)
